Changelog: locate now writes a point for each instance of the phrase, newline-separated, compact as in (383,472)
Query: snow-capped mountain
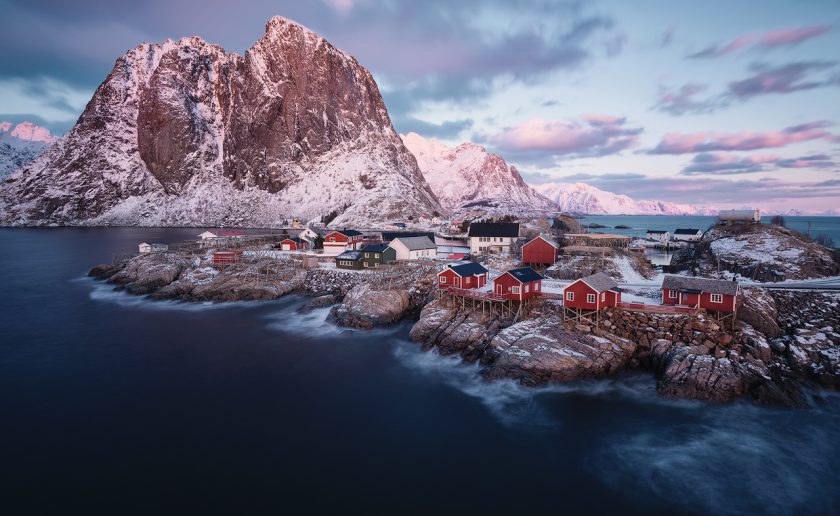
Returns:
(585,199)
(20,144)
(468,175)
(184,133)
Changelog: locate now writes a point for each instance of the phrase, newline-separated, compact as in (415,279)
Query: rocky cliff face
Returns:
(184,133)
(20,144)
(469,176)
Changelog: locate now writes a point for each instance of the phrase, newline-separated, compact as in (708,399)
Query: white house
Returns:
(493,237)
(152,247)
(687,235)
(208,235)
(659,236)
(413,248)
(311,233)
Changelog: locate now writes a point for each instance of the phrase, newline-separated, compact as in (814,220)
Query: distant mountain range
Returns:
(585,199)
(20,144)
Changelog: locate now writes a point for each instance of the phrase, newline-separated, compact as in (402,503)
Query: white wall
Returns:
(479,245)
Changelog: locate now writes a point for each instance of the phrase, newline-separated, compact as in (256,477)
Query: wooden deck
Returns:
(659,309)
(478,295)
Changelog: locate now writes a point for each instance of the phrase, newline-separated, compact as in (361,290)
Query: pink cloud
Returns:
(678,143)
(592,134)
(792,36)
(771,39)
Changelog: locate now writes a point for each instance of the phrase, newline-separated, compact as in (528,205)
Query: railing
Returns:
(481,295)
(662,309)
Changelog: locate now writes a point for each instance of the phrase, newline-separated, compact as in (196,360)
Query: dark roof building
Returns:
(374,248)
(696,285)
(686,231)
(387,236)
(525,274)
(656,232)
(468,269)
(494,229)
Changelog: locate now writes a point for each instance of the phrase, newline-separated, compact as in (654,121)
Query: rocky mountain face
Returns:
(585,199)
(20,144)
(185,133)
(468,176)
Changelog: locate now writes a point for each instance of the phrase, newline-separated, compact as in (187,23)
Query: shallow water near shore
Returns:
(117,403)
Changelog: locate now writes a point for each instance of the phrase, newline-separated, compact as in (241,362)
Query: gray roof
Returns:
(417,243)
(600,282)
(714,286)
(350,255)
(686,231)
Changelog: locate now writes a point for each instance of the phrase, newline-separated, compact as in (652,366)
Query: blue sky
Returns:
(725,103)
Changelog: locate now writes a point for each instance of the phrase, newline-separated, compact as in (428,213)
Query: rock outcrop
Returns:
(185,133)
(364,307)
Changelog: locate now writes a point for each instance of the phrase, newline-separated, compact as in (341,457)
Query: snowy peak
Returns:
(20,144)
(469,176)
(184,133)
(585,199)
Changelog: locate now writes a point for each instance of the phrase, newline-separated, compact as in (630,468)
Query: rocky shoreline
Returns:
(783,341)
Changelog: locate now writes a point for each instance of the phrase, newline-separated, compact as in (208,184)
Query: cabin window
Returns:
(570,296)
(376,255)
(536,287)
(603,296)
(331,239)
(367,255)
(443,279)
(527,289)
(468,280)
(590,298)
(717,298)
(366,264)
(514,290)
(672,294)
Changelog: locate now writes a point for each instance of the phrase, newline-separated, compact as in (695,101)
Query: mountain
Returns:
(469,176)
(20,144)
(585,199)
(184,133)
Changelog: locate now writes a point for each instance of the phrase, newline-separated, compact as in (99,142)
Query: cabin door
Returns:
(457,282)
(499,289)
(287,247)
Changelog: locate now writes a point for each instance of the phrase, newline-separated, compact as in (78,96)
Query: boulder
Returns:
(759,311)
(705,377)
(364,307)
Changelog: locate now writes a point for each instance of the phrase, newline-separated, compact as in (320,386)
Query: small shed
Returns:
(658,235)
(291,244)
(711,294)
(227,257)
(748,216)
(687,234)
(518,284)
(349,260)
(594,292)
(541,250)
(413,248)
(463,275)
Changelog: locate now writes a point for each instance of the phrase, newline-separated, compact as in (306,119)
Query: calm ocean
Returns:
(115,404)
(639,224)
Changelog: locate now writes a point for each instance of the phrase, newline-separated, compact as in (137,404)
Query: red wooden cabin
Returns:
(227,257)
(540,251)
(518,284)
(336,242)
(711,294)
(290,244)
(594,292)
(464,275)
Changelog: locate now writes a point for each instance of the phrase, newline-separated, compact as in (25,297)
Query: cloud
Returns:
(766,41)
(590,135)
(680,101)
(721,163)
(781,79)
(342,6)
(678,143)
(667,38)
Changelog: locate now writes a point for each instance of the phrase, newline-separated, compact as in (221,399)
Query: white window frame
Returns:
(590,298)
(468,280)
(716,298)
(514,289)
(570,296)
(527,288)
(603,296)
(537,286)
(672,294)
(443,279)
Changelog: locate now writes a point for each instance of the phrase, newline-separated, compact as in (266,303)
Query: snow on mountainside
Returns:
(468,175)
(586,199)
(184,133)
(20,144)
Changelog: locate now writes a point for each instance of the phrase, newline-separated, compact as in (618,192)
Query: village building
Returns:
(687,235)
(414,248)
(541,250)
(608,240)
(311,234)
(349,260)
(463,275)
(592,293)
(386,237)
(228,257)
(711,294)
(375,255)
(493,237)
(336,242)
(730,217)
(152,247)
(518,284)
(658,235)
(292,244)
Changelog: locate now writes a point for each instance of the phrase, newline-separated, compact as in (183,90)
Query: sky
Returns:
(721,103)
